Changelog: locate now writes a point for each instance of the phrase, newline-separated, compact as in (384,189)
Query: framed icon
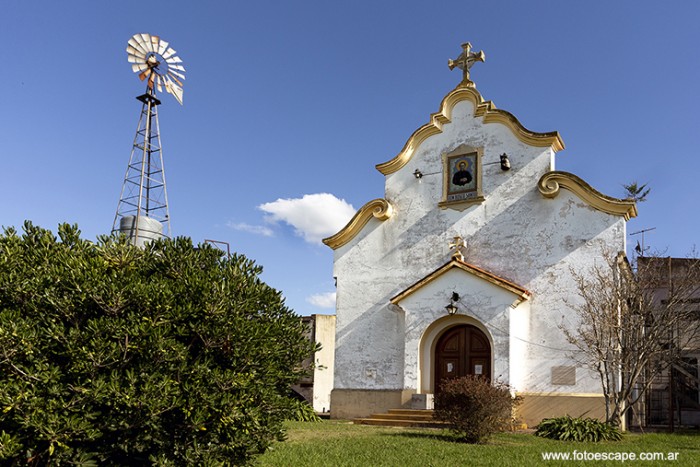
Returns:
(462,177)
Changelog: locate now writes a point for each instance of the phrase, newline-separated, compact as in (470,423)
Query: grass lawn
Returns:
(340,443)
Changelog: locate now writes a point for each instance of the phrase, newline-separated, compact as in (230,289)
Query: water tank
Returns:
(148,229)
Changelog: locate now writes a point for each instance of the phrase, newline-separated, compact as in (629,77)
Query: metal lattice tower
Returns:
(144,193)
(143,212)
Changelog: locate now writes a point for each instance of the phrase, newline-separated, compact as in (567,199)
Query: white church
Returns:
(464,266)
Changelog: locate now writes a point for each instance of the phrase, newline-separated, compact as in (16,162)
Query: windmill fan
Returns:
(157,63)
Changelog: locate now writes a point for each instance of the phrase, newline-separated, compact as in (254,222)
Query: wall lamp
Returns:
(418,174)
(452,308)
(505,162)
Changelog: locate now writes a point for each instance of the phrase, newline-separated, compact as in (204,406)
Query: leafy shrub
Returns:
(111,354)
(474,408)
(577,429)
(301,411)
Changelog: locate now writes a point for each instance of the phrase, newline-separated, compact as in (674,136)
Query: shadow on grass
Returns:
(504,438)
(437,435)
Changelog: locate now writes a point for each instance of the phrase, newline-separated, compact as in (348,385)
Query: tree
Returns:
(636,191)
(112,354)
(632,326)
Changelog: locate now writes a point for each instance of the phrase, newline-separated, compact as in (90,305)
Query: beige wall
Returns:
(536,407)
(354,403)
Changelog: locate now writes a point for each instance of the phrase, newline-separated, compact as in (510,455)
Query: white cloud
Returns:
(313,217)
(322,300)
(254,229)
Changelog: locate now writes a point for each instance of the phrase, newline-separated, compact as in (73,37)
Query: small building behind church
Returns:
(316,387)
(464,266)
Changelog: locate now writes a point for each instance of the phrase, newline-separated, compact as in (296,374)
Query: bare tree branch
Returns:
(633,325)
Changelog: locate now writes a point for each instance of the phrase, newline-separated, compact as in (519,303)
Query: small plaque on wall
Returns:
(461,177)
(563,375)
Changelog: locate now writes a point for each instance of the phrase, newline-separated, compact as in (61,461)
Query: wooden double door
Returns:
(460,351)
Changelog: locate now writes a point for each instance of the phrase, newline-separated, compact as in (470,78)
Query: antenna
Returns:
(143,204)
(641,249)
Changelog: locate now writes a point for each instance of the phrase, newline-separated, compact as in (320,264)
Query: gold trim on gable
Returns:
(522,293)
(482,108)
(550,138)
(551,182)
(378,208)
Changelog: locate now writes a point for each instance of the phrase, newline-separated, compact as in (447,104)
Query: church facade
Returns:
(464,267)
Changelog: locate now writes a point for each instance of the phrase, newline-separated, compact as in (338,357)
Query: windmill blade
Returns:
(159,83)
(141,43)
(133,42)
(146,42)
(174,80)
(155,41)
(178,70)
(169,53)
(131,50)
(175,90)
(179,75)
(176,67)
(162,46)
(136,67)
(174,59)
(135,59)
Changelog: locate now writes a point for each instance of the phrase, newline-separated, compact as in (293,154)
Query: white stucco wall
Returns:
(515,233)
(324,334)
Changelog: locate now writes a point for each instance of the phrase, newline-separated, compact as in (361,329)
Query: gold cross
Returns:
(465,61)
(458,243)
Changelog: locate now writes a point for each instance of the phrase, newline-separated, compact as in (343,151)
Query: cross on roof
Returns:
(465,61)
(457,244)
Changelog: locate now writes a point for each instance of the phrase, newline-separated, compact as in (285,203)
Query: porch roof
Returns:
(522,293)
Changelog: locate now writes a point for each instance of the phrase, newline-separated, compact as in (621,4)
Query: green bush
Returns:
(577,429)
(302,411)
(474,408)
(111,354)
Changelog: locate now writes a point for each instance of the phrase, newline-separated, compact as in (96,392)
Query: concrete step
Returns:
(394,416)
(413,412)
(402,417)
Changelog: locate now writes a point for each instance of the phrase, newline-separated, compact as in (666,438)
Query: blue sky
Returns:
(288,106)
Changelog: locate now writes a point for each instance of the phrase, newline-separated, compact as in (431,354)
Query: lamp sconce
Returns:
(452,307)
(418,174)
(505,162)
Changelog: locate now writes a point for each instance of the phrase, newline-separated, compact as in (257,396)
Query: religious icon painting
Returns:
(462,177)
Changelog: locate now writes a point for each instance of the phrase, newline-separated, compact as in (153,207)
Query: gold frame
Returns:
(461,199)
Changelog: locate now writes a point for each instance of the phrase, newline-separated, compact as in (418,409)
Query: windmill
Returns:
(143,203)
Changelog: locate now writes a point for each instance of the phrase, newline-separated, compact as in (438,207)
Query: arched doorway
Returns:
(460,351)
